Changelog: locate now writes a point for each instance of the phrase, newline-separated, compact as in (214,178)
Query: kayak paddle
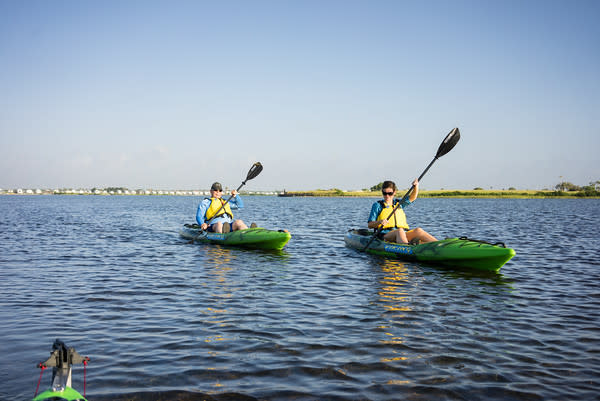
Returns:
(252,173)
(446,146)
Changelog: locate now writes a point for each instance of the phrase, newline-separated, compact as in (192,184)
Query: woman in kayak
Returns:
(215,215)
(395,227)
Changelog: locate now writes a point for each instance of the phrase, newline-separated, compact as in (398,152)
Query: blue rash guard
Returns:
(377,208)
(235,203)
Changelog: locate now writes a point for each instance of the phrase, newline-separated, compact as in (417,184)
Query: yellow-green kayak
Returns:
(456,252)
(256,238)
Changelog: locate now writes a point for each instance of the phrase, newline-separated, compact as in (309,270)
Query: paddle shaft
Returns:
(407,194)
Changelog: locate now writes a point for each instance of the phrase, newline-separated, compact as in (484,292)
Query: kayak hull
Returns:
(255,238)
(454,252)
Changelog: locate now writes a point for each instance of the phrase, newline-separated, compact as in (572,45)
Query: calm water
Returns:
(163,318)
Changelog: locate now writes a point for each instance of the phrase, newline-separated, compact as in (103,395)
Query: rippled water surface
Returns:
(164,319)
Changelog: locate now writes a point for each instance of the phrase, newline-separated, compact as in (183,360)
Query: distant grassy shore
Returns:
(475,193)
(445,193)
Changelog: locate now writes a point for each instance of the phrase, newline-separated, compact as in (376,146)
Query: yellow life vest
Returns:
(397,220)
(215,205)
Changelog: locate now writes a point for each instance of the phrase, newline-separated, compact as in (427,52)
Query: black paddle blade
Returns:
(448,143)
(254,171)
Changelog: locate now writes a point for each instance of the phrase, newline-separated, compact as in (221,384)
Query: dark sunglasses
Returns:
(387,193)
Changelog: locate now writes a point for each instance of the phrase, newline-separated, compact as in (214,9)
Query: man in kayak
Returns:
(395,228)
(215,215)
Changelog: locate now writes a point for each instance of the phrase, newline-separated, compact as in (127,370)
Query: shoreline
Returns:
(334,193)
(491,194)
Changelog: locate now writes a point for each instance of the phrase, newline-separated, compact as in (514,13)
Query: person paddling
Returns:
(215,215)
(395,227)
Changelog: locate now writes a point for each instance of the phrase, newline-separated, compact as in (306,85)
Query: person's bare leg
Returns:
(421,235)
(238,225)
(398,236)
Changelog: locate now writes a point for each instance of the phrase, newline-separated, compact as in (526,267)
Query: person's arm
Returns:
(404,202)
(373,224)
(415,191)
(237,200)
(375,210)
(201,212)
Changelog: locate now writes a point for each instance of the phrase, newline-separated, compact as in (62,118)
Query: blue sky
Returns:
(345,94)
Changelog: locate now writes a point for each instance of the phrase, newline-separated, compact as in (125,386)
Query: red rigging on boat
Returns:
(61,360)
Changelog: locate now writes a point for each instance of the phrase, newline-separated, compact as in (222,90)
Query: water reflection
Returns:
(217,285)
(231,308)
(394,290)
(220,263)
(217,288)
(478,277)
(394,296)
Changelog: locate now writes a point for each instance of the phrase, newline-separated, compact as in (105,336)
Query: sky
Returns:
(325,94)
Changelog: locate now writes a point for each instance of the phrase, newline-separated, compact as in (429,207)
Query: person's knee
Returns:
(239,225)
(401,236)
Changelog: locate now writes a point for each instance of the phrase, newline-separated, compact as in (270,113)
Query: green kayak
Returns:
(456,252)
(256,238)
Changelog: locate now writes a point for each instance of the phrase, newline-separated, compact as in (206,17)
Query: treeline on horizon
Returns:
(455,193)
(511,193)
(563,189)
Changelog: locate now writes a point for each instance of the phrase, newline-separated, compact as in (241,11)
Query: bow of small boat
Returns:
(466,253)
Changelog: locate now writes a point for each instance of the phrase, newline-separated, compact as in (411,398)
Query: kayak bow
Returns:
(61,359)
